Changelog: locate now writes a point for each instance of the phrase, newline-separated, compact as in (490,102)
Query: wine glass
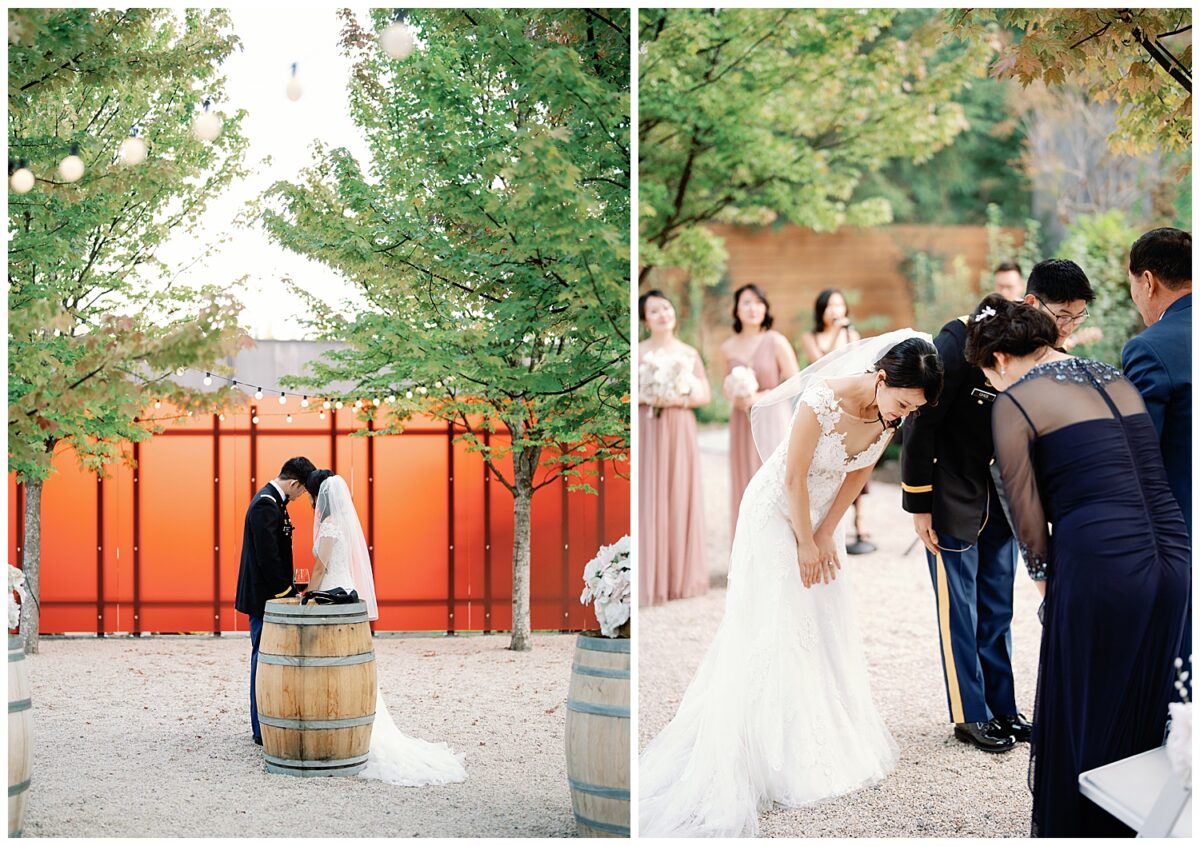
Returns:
(300,576)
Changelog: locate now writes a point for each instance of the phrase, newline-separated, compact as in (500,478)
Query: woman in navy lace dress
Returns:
(1077,450)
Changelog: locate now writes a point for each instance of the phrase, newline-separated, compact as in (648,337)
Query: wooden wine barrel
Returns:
(316,688)
(20,735)
(598,736)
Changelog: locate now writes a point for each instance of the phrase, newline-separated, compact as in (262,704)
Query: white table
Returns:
(1143,793)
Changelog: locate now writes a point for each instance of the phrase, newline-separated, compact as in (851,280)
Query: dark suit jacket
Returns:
(947,449)
(1159,362)
(266,571)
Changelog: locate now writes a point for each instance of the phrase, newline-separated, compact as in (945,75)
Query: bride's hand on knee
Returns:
(809,557)
(830,563)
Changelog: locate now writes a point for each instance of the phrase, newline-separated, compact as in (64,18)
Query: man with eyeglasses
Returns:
(948,487)
(1061,289)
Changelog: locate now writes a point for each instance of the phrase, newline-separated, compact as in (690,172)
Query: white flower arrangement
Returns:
(1179,740)
(665,376)
(742,382)
(16,584)
(607,585)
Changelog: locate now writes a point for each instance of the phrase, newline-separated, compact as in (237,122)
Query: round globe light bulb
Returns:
(328,404)
(397,40)
(22,180)
(304,403)
(71,168)
(207,380)
(254,420)
(207,126)
(258,394)
(133,150)
(294,89)
(283,399)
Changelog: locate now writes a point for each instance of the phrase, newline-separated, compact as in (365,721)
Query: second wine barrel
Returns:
(598,736)
(20,735)
(316,688)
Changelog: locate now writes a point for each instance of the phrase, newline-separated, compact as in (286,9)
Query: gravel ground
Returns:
(151,738)
(941,787)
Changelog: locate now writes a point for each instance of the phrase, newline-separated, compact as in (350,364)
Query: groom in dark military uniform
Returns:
(266,570)
(948,487)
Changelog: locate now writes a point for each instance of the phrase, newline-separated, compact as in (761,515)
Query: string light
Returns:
(338,405)
(133,149)
(408,394)
(358,404)
(158,403)
(258,394)
(289,418)
(221,416)
(397,39)
(391,398)
(304,403)
(21,178)
(254,420)
(207,125)
(322,415)
(293,87)
(207,379)
(283,399)
(328,405)
(71,167)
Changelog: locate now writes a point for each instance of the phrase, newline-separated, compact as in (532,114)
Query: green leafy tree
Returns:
(93,332)
(1140,59)
(487,241)
(748,115)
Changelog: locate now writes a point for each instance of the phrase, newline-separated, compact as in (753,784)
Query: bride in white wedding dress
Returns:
(780,709)
(341,560)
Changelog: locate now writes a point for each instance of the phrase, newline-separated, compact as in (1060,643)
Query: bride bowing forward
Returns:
(780,709)
(342,560)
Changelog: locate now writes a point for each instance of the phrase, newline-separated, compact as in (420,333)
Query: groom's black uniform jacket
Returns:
(947,450)
(266,571)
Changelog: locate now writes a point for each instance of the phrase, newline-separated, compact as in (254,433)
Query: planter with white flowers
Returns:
(598,700)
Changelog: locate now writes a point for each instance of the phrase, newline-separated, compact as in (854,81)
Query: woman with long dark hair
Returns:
(672,384)
(757,358)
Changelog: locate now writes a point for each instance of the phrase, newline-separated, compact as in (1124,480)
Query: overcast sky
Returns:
(258,74)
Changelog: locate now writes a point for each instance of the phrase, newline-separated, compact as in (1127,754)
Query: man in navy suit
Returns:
(266,568)
(1159,360)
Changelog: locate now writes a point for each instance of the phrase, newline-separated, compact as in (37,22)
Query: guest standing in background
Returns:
(672,383)
(831,330)
(762,358)
(1077,450)
(1008,281)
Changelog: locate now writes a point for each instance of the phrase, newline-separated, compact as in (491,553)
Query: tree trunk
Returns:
(524,464)
(31,558)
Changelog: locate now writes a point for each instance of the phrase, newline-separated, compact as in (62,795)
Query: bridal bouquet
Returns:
(607,585)
(1179,741)
(16,587)
(665,376)
(741,381)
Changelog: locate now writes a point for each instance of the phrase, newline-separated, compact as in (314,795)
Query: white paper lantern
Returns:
(133,150)
(21,180)
(207,126)
(294,90)
(397,40)
(71,167)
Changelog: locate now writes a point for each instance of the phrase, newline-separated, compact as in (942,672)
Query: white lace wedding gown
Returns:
(394,757)
(780,709)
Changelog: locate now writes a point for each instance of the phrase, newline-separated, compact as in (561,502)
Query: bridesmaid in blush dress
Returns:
(670,507)
(1077,450)
(755,345)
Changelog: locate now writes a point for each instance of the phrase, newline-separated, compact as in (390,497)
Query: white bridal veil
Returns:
(334,505)
(768,422)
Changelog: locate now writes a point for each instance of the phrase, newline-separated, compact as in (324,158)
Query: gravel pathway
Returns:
(151,738)
(941,787)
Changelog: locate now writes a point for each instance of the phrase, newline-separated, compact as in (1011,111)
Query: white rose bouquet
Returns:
(1179,741)
(741,382)
(16,587)
(666,377)
(607,585)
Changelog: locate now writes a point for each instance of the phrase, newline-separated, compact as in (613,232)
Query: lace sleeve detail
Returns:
(330,529)
(1014,438)
(819,397)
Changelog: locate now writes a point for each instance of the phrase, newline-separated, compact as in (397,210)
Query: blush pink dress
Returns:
(670,504)
(743,457)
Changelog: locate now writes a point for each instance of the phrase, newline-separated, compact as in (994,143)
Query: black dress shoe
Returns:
(1017,726)
(988,736)
(257,739)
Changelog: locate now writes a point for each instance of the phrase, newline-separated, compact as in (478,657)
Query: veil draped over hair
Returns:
(335,504)
(850,360)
